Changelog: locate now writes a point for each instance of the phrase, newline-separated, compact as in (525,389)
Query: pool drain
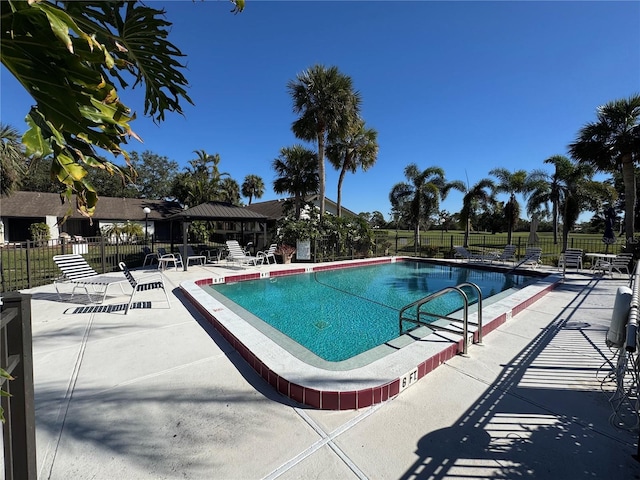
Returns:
(320,325)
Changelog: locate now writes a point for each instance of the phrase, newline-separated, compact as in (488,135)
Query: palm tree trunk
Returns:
(629,179)
(339,200)
(555,223)
(297,202)
(321,174)
(467,229)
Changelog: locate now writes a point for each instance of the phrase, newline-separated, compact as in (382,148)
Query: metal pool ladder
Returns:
(465,317)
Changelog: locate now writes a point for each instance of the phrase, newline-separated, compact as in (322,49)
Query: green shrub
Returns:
(40,233)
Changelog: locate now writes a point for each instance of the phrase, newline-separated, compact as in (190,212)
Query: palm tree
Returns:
(512,183)
(481,193)
(253,186)
(611,144)
(12,159)
(327,104)
(297,170)
(357,148)
(229,191)
(548,189)
(419,198)
(205,178)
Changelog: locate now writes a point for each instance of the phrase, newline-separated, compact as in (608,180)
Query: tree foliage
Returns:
(252,187)
(13,161)
(155,175)
(297,174)
(69,56)
(356,148)
(612,144)
(201,181)
(327,104)
(417,201)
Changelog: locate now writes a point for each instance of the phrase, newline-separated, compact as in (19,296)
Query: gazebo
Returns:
(217,211)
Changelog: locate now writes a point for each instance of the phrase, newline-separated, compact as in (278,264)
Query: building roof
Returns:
(41,204)
(218,211)
(273,208)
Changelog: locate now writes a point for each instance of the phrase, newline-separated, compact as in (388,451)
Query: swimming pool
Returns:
(369,378)
(338,314)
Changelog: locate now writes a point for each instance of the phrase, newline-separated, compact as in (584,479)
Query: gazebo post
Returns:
(185,232)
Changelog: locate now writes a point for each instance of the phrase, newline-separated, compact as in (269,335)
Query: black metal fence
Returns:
(30,264)
(19,429)
(440,245)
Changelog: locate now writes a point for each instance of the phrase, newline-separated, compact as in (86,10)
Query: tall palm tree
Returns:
(356,148)
(548,189)
(512,183)
(327,103)
(611,144)
(419,198)
(229,191)
(297,170)
(481,193)
(12,159)
(206,178)
(253,186)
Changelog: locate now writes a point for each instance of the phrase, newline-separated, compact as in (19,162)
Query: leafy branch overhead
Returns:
(69,57)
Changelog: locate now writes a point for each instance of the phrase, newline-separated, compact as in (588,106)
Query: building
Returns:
(21,209)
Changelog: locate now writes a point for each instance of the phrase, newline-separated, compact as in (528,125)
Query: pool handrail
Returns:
(465,318)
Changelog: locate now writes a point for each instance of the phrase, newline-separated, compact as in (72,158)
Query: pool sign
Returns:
(408,379)
(303,250)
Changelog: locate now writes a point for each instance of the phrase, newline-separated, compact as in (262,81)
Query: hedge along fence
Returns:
(30,264)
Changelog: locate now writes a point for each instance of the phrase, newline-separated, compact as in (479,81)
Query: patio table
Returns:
(596,258)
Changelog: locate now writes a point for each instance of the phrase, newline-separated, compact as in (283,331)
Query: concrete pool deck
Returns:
(159,393)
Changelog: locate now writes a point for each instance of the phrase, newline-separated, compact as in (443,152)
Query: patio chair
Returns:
(532,257)
(166,260)
(149,255)
(571,258)
(236,254)
(191,256)
(462,252)
(269,253)
(619,263)
(507,255)
(75,270)
(151,282)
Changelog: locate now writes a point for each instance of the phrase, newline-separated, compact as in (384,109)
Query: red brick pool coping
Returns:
(335,399)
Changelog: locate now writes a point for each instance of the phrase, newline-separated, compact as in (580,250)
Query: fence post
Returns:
(28,265)
(103,254)
(19,430)
(118,250)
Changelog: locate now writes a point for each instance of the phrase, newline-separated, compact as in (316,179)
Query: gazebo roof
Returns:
(218,211)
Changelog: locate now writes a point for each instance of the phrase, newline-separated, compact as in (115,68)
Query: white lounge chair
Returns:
(532,257)
(571,258)
(237,255)
(75,270)
(267,254)
(462,252)
(507,255)
(151,282)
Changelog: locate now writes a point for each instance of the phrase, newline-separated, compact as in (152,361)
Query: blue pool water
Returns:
(338,314)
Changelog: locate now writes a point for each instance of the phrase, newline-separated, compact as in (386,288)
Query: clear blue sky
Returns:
(467,86)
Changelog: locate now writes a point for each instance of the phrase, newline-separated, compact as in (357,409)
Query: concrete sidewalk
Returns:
(158,394)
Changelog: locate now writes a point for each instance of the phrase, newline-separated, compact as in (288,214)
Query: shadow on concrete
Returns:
(538,419)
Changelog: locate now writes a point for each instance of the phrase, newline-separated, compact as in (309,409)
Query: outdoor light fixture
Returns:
(147,211)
